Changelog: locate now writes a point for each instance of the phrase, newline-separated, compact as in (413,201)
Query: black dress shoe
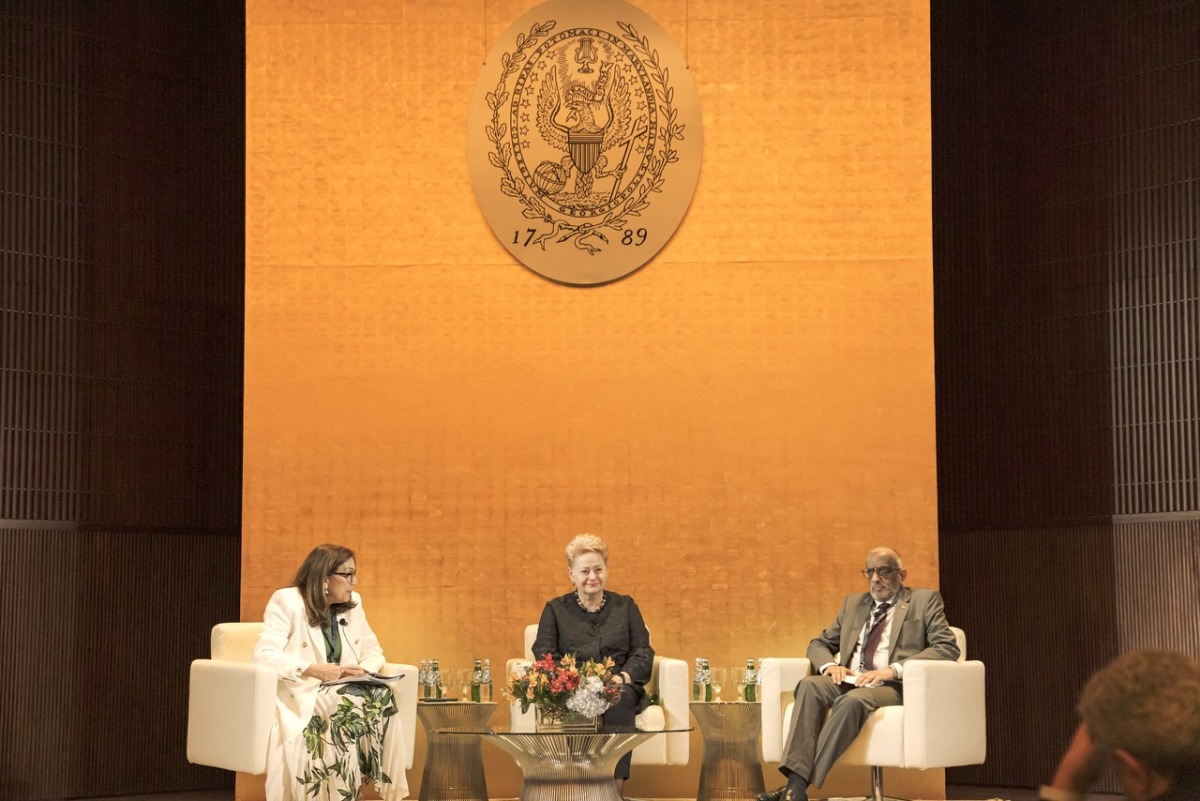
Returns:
(791,795)
(772,795)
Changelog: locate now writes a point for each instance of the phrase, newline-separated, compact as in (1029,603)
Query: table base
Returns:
(730,770)
(453,762)
(569,767)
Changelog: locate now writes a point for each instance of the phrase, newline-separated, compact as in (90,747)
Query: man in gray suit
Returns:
(860,658)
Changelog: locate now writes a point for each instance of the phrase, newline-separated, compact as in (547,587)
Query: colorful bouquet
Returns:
(585,689)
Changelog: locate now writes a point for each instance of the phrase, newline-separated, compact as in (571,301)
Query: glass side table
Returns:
(566,766)
(453,765)
(731,730)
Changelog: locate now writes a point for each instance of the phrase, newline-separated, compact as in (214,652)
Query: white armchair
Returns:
(669,678)
(231,703)
(941,723)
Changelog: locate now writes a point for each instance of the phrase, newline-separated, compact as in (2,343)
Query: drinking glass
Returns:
(739,682)
(718,681)
(464,683)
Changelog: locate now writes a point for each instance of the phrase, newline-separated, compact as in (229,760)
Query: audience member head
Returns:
(1143,709)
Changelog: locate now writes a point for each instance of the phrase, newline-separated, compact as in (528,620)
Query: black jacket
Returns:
(616,631)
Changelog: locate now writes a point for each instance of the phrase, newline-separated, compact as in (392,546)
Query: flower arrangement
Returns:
(567,685)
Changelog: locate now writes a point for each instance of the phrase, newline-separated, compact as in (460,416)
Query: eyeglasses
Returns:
(350,576)
(882,572)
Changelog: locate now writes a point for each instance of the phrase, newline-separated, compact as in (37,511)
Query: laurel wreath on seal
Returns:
(617,218)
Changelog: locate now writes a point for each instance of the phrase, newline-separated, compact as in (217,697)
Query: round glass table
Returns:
(566,766)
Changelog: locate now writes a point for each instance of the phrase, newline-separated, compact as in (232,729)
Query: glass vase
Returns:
(552,718)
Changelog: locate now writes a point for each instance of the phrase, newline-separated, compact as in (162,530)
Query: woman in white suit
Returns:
(328,739)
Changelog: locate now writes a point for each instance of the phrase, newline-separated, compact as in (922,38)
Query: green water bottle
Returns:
(751,679)
(477,681)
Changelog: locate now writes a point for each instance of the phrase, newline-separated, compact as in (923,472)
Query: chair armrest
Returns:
(231,709)
(779,679)
(945,722)
(405,693)
(519,721)
(671,680)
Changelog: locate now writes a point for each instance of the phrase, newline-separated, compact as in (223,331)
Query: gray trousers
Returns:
(815,741)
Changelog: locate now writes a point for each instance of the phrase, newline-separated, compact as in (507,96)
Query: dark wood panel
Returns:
(1067,245)
(1157,585)
(1155,266)
(1039,611)
(40,274)
(121,306)
(122,289)
(95,666)
(1081,596)
(1066,267)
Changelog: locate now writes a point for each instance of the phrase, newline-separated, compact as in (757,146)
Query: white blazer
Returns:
(290,645)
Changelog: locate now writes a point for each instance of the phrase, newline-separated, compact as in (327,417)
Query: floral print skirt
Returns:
(352,739)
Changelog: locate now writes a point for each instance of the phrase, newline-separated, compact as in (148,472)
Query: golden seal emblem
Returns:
(584,140)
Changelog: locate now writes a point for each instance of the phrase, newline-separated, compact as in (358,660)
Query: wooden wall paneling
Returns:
(1065,297)
(38,569)
(1157,585)
(1155,291)
(1038,611)
(38,317)
(185,582)
(121,228)
(96,663)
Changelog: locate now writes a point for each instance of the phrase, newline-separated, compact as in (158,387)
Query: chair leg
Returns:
(877,786)
(876,783)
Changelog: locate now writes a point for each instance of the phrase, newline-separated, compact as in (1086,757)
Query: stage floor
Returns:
(954,792)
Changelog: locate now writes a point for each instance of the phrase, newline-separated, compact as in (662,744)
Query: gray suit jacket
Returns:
(919,629)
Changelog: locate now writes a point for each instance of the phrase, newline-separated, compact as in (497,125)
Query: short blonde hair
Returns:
(585,543)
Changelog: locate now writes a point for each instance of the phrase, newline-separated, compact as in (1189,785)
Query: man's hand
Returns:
(837,672)
(1081,764)
(872,677)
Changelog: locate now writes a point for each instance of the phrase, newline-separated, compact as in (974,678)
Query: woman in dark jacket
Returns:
(594,623)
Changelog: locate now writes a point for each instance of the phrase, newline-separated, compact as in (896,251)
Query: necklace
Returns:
(603,601)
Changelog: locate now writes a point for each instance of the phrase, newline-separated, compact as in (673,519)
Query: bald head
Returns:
(888,556)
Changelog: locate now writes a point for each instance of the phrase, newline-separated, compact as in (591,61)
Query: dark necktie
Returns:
(877,627)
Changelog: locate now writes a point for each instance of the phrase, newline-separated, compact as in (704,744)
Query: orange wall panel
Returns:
(742,419)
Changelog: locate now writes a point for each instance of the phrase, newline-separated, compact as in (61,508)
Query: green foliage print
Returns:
(345,749)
